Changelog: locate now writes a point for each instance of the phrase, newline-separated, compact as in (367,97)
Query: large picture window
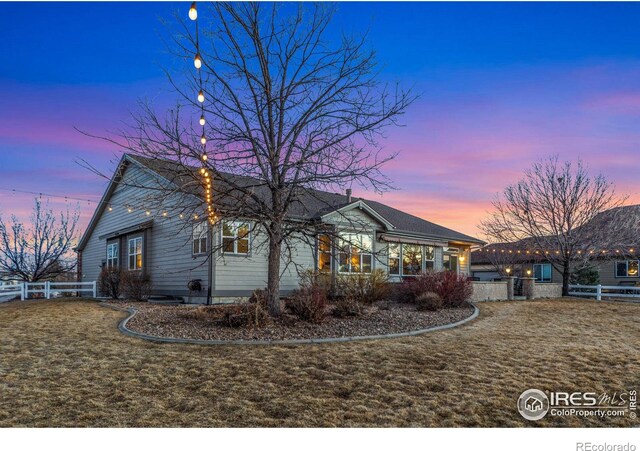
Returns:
(200,232)
(355,253)
(235,238)
(135,253)
(324,253)
(410,259)
(113,255)
(542,272)
(627,268)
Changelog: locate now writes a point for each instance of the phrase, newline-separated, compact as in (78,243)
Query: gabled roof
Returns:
(311,204)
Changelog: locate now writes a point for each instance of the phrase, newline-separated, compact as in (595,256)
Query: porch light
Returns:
(197,62)
(193,12)
(528,272)
(148,213)
(508,271)
(201,96)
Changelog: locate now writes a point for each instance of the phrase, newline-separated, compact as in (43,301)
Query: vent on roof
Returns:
(348,195)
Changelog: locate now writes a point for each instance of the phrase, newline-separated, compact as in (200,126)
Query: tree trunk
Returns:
(566,273)
(273,276)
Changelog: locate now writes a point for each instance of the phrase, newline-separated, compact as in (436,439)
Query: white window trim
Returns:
(129,254)
(361,254)
(423,266)
(542,272)
(116,246)
(236,225)
(626,262)
(202,231)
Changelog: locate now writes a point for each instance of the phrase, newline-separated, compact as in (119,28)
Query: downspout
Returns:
(210,266)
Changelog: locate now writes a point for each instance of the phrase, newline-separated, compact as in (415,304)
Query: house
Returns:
(617,265)
(174,246)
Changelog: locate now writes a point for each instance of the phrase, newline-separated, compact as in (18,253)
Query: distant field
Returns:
(64,363)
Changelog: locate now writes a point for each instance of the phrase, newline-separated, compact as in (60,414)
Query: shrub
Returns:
(110,282)
(309,303)
(587,275)
(365,288)
(453,289)
(136,286)
(309,278)
(428,301)
(346,306)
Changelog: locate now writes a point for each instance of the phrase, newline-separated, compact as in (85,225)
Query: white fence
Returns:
(606,291)
(48,289)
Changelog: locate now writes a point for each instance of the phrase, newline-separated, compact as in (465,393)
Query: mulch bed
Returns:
(188,321)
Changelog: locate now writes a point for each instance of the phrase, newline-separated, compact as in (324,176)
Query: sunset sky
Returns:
(501,85)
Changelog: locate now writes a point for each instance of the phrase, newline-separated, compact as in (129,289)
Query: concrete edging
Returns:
(122,327)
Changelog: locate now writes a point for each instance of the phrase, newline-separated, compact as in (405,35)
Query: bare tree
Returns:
(289,108)
(41,251)
(562,213)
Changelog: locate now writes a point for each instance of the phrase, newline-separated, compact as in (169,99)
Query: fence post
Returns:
(95,293)
(22,290)
(47,292)
(599,292)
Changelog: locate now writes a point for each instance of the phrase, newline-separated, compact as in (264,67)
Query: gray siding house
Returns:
(175,247)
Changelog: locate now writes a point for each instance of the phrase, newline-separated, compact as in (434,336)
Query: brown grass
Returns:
(64,363)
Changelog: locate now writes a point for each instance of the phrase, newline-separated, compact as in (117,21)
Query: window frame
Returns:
(626,262)
(202,231)
(135,254)
(542,279)
(321,252)
(111,258)
(424,250)
(362,252)
(235,227)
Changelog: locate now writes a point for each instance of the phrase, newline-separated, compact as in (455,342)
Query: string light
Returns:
(197,61)
(202,121)
(193,12)
(201,96)
(203,140)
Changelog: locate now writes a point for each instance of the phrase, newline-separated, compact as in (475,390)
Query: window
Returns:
(199,237)
(450,262)
(113,255)
(135,253)
(324,253)
(235,238)
(394,259)
(542,272)
(627,268)
(411,259)
(412,256)
(355,253)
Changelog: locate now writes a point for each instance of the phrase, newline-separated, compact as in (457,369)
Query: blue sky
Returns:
(502,85)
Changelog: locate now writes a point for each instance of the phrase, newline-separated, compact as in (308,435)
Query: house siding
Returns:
(168,256)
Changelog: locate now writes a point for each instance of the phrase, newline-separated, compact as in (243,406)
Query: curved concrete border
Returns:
(122,327)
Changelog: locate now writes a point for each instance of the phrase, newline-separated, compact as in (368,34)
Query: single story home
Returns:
(174,248)
(618,265)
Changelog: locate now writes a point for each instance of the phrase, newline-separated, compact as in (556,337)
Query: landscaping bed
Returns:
(196,322)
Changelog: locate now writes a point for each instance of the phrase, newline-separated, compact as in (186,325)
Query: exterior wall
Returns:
(607,271)
(169,259)
(489,291)
(547,290)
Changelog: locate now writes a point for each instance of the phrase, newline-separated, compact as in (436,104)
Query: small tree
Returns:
(41,251)
(563,214)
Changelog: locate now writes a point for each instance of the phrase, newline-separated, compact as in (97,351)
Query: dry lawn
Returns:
(64,363)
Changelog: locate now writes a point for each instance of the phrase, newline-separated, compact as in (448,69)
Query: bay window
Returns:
(355,253)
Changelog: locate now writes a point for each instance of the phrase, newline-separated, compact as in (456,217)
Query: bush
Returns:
(346,306)
(428,301)
(365,288)
(587,275)
(309,303)
(453,289)
(135,285)
(311,278)
(110,282)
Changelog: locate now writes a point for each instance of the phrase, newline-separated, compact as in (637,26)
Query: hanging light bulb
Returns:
(193,12)
(204,157)
(202,121)
(197,61)
(203,140)
(201,96)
